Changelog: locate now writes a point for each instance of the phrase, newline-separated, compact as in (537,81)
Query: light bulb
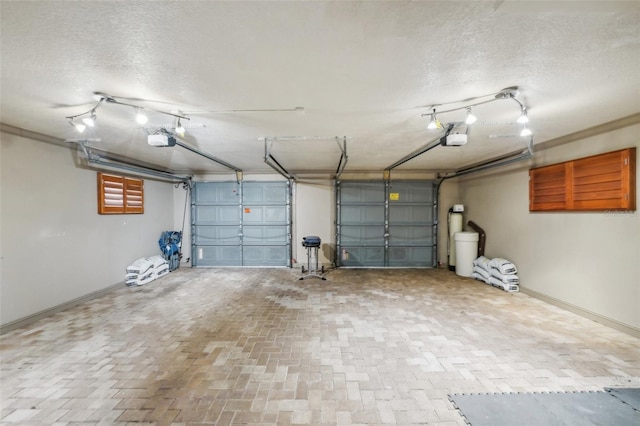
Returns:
(470,117)
(525,131)
(180,128)
(433,122)
(90,121)
(523,117)
(141,118)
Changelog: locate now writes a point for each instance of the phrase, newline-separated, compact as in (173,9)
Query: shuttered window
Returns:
(547,188)
(599,182)
(120,195)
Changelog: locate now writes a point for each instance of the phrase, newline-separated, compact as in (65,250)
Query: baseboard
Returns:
(625,328)
(28,320)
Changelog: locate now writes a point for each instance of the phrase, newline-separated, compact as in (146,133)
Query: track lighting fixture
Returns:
(523,116)
(525,131)
(433,122)
(78,126)
(508,93)
(180,130)
(470,117)
(88,118)
(141,118)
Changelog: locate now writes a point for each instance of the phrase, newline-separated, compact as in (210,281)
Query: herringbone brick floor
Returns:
(257,346)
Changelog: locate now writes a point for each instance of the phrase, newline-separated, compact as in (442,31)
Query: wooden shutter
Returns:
(547,188)
(133,195)
(120,195)
(600,182)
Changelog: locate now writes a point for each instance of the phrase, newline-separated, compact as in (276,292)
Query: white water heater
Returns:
(454,224)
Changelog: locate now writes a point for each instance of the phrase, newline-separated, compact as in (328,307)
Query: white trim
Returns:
(625,328)
(28,320)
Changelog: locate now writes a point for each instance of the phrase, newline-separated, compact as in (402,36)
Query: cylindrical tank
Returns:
(466,252)
(454,222)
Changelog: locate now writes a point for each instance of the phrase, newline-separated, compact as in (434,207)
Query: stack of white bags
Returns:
(145,270)
(498,272)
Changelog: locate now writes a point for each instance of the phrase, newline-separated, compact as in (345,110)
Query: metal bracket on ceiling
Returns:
(272,162)
(342,163)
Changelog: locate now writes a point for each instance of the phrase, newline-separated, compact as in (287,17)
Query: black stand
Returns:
(312,244)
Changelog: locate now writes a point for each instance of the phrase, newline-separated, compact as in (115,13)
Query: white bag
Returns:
(479,277)
(506,279)
(504,286)
(483,262)
(140,266)
(482,272)
(504,266)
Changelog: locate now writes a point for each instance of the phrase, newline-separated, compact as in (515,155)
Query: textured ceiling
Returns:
(364,70)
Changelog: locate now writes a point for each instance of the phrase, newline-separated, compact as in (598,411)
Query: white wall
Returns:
(55,246)
(449,195)
(586,260)
(314,214)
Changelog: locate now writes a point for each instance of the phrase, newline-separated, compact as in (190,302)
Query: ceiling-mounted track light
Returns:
(180,130)
(88,118)
(78,126)
(470,117)
(525,131)
(141,118)
(508,93)
(91,120)
(524,118)
(433,122)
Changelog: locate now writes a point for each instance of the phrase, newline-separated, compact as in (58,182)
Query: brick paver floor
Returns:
(258,346)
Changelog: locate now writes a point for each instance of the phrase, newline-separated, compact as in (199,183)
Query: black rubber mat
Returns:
(550,409)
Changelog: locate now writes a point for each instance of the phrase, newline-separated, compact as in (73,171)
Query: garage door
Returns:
(241,224)
(386,224)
